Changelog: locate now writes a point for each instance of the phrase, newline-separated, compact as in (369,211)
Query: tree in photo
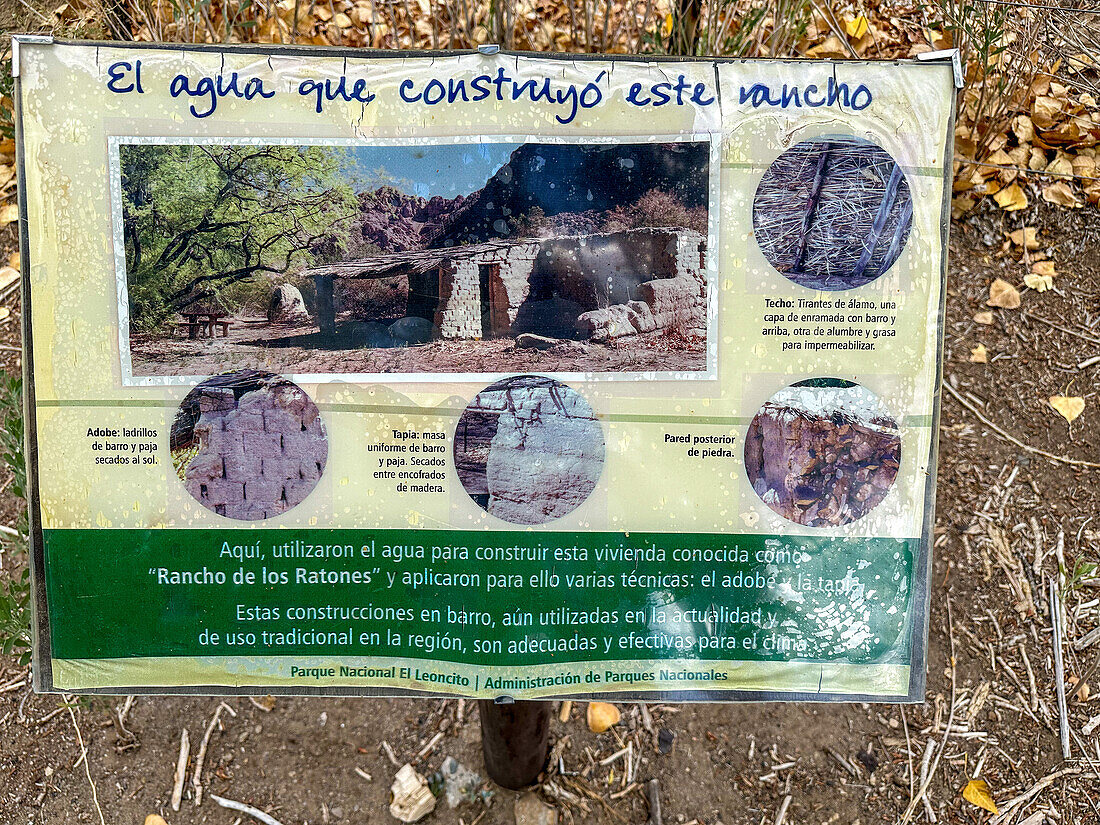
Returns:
(200,219)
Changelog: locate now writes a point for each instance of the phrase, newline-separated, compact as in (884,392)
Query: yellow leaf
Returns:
(856,28)
(1023,128)
(13,260)
(602,716)
(1069,407)
(1011,198)
(979,355)
(1044,268)
(9,213)
(977,793)
(831,47)
(1040,283)
(1028,236)
(666,29)
(155,819)
(1003,294)
(1061,194)
(984,317)
(8,276)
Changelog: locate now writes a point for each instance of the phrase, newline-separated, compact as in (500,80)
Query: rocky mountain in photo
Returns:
(394,221)
(565,178)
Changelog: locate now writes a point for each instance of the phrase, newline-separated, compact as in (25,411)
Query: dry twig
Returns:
(256,813)
(181,770)
(1075,462)
(84,758)
(196,777)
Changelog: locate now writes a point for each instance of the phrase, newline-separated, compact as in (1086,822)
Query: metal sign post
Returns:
(515,738)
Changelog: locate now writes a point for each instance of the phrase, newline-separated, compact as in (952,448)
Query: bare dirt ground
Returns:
(297,350)
(1008,518)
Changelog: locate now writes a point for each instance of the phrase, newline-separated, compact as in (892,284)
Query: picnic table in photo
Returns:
(200,323)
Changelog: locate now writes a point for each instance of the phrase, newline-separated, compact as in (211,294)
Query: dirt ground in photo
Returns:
(289,349)
(1005,514)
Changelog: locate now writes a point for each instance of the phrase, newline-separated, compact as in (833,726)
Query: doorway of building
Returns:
(494,301)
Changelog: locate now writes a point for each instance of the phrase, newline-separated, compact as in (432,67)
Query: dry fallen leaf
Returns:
(602,716)
(1044,268)
(1068,406)
(979,355)
(13,260)
(1061,194)
(1028,236)
(983,317)
(1011,198)
(9,213)
(155,819)
(977,793)
(1040,283)
(831,47)
(8,276)
(4,313)
(1023,128)
(1003,294)
(1082,692)
(1061,166)
(1045,111)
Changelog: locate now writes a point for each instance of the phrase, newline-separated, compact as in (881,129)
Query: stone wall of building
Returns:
(259,455)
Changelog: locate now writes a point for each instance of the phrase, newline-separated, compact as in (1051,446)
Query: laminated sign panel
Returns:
(481,374)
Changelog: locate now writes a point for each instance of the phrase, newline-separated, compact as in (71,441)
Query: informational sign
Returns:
(481,374)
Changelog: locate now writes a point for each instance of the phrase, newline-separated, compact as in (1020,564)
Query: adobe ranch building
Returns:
(596,287)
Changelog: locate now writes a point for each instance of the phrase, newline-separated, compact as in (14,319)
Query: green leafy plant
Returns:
(1077,577)
(7,95)
(200,220)
(15,591)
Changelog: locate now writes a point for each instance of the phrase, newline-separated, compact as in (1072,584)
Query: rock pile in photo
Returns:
(820,470)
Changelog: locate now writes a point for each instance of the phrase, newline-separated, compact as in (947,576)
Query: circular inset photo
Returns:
(248,445)
(823,452)
(832,213)
(528,449)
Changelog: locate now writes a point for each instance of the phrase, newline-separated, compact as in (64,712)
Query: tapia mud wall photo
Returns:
(529,450)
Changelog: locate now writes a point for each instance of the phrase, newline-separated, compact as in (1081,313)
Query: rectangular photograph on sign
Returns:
(491,375)
(421,258)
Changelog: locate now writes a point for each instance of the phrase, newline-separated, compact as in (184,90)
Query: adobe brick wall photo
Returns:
(259,453)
